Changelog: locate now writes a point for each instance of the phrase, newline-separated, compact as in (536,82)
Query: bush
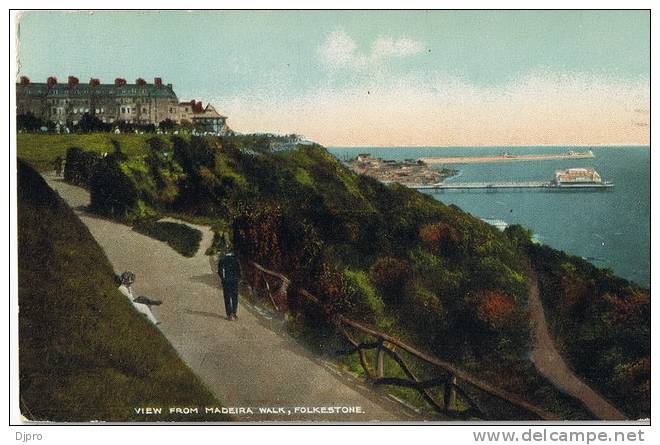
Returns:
(390,275)
(113,194)
(79,166)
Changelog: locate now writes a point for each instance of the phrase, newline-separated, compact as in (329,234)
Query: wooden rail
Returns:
(386,344)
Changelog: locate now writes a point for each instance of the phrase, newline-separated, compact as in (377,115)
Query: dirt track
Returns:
(245,363)
(549,362)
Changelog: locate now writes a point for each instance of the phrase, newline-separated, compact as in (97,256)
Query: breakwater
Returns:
(506,157)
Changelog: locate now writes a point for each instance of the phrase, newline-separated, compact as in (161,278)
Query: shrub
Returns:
(390,276)
(79,166)
(495,308)
(113,194)
(441,238)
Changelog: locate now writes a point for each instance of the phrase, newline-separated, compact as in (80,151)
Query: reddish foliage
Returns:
(390,275)
(629,307)
(495,308)
(440,237)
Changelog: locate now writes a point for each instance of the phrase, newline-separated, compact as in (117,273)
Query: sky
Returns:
(374,78)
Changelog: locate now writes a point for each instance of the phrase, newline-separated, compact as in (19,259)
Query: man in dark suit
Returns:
(229,270)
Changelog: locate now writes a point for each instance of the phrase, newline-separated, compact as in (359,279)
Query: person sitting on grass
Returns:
(141,304)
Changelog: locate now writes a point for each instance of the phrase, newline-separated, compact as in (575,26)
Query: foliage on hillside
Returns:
(84,352)
(603,326)
(384,255)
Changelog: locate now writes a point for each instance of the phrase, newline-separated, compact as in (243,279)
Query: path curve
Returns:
(244,363)
(550,363)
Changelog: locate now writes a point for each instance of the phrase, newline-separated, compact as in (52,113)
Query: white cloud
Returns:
(387,47)
(339,50)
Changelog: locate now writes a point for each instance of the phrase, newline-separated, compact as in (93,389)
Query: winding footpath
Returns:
(251,363)
(244,363)
(552,366)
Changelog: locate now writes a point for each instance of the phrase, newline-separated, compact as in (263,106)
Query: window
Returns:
(123,109)
(144,110)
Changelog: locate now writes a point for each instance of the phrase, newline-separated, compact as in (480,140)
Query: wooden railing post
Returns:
(380,358)
(450,393)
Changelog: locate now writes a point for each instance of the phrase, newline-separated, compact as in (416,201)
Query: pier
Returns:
(512,185)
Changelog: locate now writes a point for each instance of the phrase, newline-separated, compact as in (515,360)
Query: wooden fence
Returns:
(274,287)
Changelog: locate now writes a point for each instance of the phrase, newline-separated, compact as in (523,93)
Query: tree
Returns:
(90,123)
(167,124)
(29,122)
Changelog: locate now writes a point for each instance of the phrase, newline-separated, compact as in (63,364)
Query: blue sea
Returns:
(609,227)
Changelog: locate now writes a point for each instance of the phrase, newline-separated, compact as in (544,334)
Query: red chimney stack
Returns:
(119,82)
(25,80)
(94,82)
(140,81)
(52,81)
(158,82)
(73,81)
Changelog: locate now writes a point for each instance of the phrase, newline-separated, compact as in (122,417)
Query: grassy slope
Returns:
(39,150)
(85,354)
(331,189)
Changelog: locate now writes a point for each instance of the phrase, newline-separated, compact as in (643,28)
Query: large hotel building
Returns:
(139,103)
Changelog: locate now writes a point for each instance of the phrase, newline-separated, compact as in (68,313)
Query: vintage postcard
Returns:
(333,216)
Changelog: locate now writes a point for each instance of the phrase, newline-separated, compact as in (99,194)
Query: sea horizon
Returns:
(493,146)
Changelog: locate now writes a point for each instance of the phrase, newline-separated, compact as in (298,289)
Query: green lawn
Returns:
(39,150)
(84,352)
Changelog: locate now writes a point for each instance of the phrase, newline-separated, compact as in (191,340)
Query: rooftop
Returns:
(73,89)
